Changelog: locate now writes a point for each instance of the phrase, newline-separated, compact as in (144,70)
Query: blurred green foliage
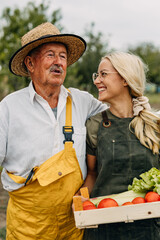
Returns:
(3,233)
(151,56)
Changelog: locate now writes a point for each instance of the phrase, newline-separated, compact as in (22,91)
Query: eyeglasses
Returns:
(102,75)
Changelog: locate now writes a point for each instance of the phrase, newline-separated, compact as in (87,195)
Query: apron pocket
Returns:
(128,158)
(55,168)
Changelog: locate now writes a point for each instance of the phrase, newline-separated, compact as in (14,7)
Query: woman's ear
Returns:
(29,63)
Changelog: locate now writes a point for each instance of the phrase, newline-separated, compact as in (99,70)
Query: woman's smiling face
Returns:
(109,83)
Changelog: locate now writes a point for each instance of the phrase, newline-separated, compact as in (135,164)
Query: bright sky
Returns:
(127,22)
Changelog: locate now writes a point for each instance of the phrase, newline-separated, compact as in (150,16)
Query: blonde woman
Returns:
(123,141)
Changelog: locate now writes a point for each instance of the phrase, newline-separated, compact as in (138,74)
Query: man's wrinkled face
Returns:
(49,64)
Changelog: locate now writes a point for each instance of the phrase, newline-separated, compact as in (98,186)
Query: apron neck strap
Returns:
(68,112)
(68,128)
(106,122)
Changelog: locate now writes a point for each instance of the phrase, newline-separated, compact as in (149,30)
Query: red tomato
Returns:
(127,203)
(107,202)
(138,200)
(87,205)
(152,197)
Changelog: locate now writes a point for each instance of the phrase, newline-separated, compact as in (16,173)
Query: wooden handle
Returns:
(84,192)
(78,205)
(77,201)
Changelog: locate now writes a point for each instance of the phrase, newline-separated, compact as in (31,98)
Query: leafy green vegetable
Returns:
(150,181)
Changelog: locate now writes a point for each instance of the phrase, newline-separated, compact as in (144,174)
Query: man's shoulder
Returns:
(18,92)
(78,92)
(82,97)
(15,95)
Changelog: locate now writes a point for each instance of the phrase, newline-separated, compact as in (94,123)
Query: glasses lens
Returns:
(94,76)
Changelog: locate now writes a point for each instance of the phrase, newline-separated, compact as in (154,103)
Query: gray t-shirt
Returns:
(55,111)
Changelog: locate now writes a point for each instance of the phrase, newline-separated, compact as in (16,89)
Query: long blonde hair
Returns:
(146,124)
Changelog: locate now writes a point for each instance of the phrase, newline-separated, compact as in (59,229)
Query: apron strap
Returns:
(106,122)
(19,179)
(68,112)
(15,178)
(68,128)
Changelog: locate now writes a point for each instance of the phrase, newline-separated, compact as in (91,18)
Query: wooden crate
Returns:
(128,213)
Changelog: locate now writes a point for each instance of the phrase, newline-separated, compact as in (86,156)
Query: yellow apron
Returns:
(41,210)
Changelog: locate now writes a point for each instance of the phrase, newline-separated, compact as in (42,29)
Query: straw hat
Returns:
(45,33)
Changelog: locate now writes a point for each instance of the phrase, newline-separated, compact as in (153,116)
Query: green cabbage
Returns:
(150,181)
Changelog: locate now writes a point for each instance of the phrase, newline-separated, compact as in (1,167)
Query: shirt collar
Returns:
(32,92)
(64,91)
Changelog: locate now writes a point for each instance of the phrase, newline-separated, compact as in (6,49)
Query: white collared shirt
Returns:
(30,133)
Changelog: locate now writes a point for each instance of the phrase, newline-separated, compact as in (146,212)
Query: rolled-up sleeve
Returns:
(92,126)
(96,106)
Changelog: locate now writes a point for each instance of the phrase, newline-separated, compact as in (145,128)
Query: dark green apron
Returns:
(120,158)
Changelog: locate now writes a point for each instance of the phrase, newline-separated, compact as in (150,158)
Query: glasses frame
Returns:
(96,75)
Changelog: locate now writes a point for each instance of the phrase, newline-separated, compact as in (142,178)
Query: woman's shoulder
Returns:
(94,120)
(92,125)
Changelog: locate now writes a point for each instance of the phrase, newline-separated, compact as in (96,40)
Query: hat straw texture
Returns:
(42,30)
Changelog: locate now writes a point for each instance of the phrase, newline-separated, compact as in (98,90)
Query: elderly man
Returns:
(42,137)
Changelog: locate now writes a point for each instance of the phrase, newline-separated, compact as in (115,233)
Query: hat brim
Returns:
(76,46)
